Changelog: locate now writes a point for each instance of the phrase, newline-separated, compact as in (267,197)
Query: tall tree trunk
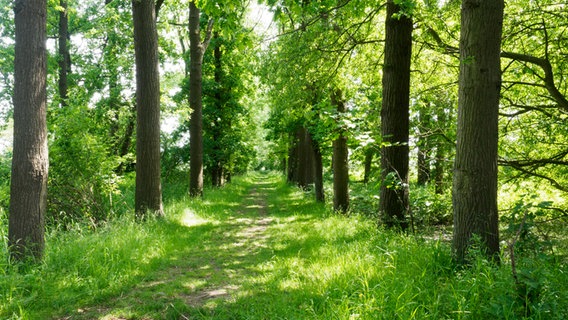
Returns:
(393,206)
(340,161)
(475,170)
(63,50)
(148,196)
(28,188)
(293,159)
(216,169)
(197,50)
(318,171)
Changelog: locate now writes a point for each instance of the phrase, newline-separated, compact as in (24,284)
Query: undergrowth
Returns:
(211,259)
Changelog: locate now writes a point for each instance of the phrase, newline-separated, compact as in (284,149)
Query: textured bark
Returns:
(475,170)
(148,196)
(340,161)
(197,50)
(28,188)
(63,50)
(393,206)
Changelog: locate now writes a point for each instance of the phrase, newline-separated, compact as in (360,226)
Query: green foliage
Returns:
(5,172)
(82,181)
(429,208)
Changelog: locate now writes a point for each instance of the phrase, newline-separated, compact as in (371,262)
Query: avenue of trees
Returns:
(411,111)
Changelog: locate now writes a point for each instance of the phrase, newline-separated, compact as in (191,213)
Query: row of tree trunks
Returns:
(305,165)
(301,158)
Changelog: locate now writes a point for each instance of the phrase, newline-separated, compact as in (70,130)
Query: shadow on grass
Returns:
(214,258)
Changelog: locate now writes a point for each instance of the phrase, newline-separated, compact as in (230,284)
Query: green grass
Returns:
(260,249)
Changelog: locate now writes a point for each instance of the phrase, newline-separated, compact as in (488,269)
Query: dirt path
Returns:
(247,235)
(222,258)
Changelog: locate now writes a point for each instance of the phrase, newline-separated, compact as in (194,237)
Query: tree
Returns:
(395,116)
(28,190)
(148,197)
(475,170)
(340,160)
(197,50)
(63,51)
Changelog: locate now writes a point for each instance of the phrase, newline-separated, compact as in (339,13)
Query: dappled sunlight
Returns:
(189,218)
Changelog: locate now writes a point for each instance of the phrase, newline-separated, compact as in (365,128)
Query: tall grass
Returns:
(260,249)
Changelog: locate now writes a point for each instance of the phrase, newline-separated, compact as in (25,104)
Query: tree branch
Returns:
(545,65)
(208,34)
(520,166)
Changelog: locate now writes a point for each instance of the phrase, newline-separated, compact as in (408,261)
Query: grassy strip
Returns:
(260,249)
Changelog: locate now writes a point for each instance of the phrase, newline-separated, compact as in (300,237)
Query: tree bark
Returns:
(197,50)
(28,188)
(340,161)
(475,170)
(64,59)
(148,196)
(393,206)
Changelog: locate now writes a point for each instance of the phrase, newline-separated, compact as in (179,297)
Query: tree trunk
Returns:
(305,158)
(148,197)
(318,171)
(293,160)
(216,169)
(63,50)
(475,170)
(393,205)
(28,188)
(340,161)
(197,49)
